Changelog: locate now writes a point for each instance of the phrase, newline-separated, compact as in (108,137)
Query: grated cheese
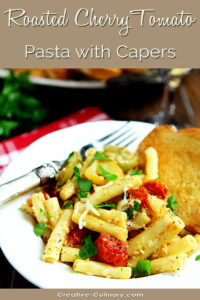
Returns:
(89,207)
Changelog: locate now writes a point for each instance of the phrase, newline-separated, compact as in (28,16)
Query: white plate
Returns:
(23,248)
(75,84)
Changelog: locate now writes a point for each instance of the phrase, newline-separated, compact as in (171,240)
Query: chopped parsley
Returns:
(67,204)
(68,159)
(77,175)
(106,174)
(44,213)
(136,172)
(197,258)
(172,203)
(99,156)
(158,177)
(129,212)
(143,268)
(89,249)
(105,205)
(39,229)
(136,206)
(84,184)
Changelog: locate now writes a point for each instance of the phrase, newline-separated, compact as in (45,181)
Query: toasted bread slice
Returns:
(179,168)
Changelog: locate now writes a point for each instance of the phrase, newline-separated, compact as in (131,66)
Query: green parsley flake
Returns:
(44,213)
(39,229)
(143,268)
(105,205)
(172,203)
(99,156)
(89,249)
(129,212)
(67,204)
(68,159)
(197,258)
(136,206)
(106,174)
(85,185)
(136,172)
(77,174)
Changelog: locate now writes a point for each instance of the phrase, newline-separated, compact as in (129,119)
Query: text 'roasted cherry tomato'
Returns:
(111,250)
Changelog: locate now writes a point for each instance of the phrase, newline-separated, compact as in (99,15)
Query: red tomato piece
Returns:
(30,203)
(140,194)
(46,196)
(111,250)
(156,188)
(75,236)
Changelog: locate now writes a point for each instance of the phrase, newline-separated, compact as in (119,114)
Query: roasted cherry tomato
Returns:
(156,188)
(140,194)
(75,236)
(111,250)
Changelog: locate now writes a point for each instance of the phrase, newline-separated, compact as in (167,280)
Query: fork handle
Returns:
(14,188)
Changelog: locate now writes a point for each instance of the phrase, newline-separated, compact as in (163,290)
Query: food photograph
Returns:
(99,178)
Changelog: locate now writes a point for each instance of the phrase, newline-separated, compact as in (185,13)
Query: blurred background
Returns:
(36,98)
(153,95)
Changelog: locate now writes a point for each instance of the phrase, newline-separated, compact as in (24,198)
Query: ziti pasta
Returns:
(106,217)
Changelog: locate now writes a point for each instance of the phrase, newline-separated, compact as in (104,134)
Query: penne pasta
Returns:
(139,221)
(57,238)
(152,238)
(115,189)
(67,190)
(69,254)
(96,224)
(111,216)
(53,209)
(168,264)
(115,223)
(151,164)
(39,207)
(183,245)
(93,268)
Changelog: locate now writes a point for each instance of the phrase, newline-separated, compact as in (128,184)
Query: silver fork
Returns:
(123,136)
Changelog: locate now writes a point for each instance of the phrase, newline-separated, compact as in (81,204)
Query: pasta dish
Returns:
(108,216)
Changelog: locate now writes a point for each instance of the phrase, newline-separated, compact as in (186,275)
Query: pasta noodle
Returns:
(101,269)
(106,217)
(56,240)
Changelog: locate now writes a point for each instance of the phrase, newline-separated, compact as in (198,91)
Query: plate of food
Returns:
(120,217)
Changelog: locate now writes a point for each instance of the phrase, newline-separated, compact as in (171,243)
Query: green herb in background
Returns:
(19,110)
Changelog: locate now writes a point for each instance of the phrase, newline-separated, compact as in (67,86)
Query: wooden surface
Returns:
(135,102)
